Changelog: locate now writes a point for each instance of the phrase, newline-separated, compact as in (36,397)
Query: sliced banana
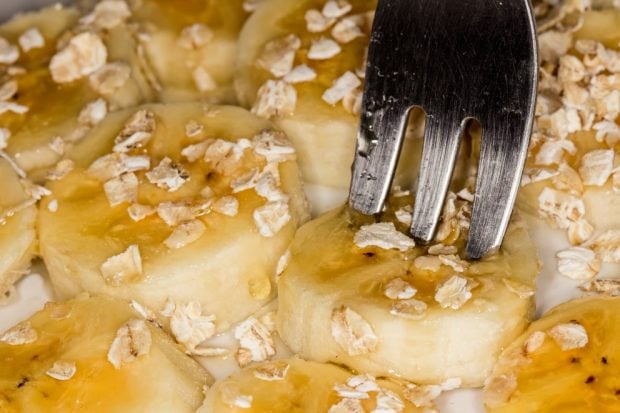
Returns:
(191,46)
(572,178)
(302,64)
(97,355)
(184,208)
(18,216)
(305,386)
(359,293)
(61,74)
(565,362)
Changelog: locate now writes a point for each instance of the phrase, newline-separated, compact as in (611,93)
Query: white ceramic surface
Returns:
(33,290)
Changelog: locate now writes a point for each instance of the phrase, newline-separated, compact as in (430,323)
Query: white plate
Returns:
(34,290)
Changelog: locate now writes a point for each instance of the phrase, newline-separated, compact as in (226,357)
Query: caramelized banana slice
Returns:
(18,215)
(284,386)
(360,293)
(59,77)
(185,209)
(96,355)
(565,362)
(190,46)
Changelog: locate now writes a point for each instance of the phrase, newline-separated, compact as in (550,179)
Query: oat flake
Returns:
(132,341)
(352,333)
(382,235)
(62,370)
(23,333)
(569,336)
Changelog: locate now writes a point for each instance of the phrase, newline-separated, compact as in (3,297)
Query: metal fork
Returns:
(457,60)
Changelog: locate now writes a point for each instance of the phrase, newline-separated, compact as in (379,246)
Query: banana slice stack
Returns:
(284,386)
(60,76)
(184,208)
(360,293)
(96,355)
(565,362)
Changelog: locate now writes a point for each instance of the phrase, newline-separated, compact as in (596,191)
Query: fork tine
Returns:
(441,144)
(378,147)
(502,158)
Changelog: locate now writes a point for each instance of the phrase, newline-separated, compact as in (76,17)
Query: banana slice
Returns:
(191,46)
(298,385)
(359,293)
(96,355)
(572,178)
(184,208)
(59,78)
(18,215)
(565,362)
(302,64)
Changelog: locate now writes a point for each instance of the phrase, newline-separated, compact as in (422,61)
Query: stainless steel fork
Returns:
(457,60)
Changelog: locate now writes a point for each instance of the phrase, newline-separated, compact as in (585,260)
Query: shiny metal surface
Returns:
(457,60)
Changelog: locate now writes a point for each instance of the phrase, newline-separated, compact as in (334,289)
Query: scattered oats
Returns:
(8,52)
(226,205)
(143,311)
(168,175)
(110,78)
(560,208)
(283,262)
(274,146)
(323,49)
(452,383)
(571,69)
(185,234)
(52,206)
(12,107)
(132,341)
(272,371)
(34,191)
(31,39)
(8,90)
(316,22)
(597,166)
(363,382)
(300,74)
(203,80)
(383,235)
(347,406)
(534,342)
(569,336)
(115,164)
(207,192)
(60,170)
(453,293)
(267,187)
(137,131)
(93,113)
(607,131)
(190,327)
(567,179)
(217,151)
(108,14)
(193,129)
(245,182)
(553,44)
(57,145)
(499,389)
(278,55)
(607,246)
(83,56)
(195,36)
(466,194)
(341,87)
(440,249)
(404,215)
(62,370)
(412,309)
(609,287)
(173,213)
(122,189)
(23,333)
(578,263)
(210,352)
(352,333)
(275,98)
(347,392)
(427,263)
(399,289)
(255,342)
(122,268)
(522,290)
(388,402)
(422,396)
(348,29)
(580,231)
(5,134)
(352,102)
(551,152)
(271,218)
(454,261)
(334,9)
